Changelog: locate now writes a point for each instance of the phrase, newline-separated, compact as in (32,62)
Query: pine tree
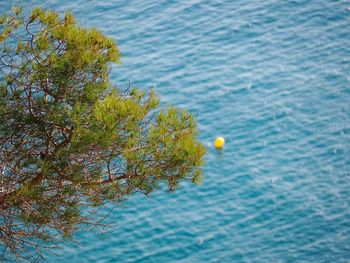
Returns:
(70,140)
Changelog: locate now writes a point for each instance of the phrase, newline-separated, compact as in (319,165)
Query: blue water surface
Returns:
(273,78)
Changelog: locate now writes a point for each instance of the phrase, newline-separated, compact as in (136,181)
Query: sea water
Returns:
(271,77)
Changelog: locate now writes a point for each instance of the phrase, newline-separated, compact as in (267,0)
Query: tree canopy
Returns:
(70,140)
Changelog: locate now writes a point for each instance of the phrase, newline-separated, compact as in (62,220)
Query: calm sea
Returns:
(272,77)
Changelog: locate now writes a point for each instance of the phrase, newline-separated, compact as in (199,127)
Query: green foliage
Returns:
(70,140)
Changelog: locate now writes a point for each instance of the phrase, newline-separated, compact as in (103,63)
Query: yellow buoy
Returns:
(219,143)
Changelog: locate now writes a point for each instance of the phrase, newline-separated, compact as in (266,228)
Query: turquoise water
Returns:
(273,78)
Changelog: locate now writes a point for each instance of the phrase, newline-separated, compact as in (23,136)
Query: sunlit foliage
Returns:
(70,140)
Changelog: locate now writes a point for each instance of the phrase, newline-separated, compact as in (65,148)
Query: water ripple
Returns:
(272,77)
